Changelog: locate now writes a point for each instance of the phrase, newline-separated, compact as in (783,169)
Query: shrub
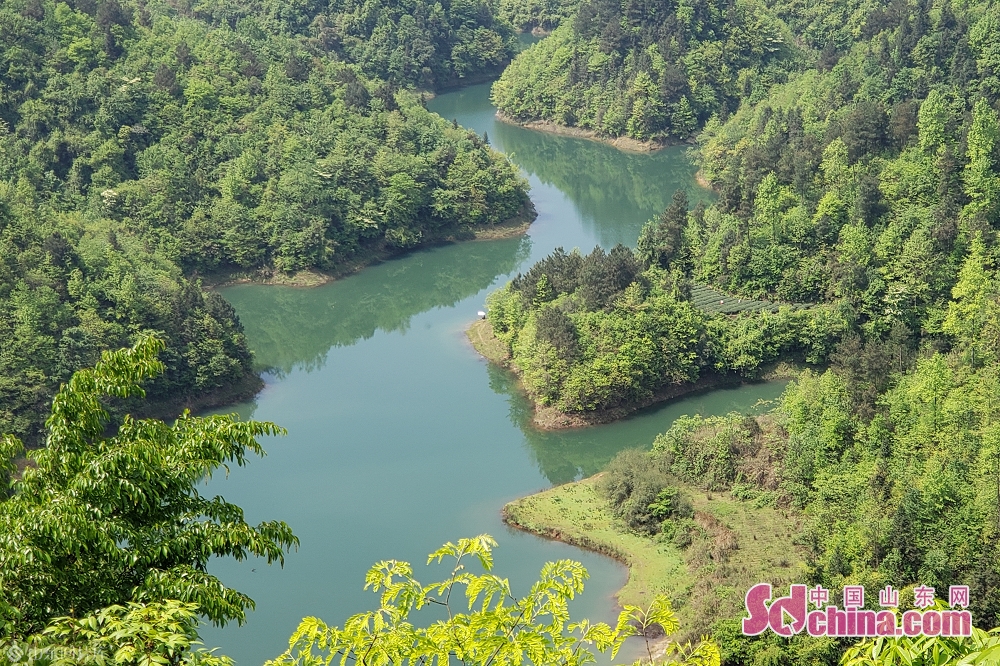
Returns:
(640,491)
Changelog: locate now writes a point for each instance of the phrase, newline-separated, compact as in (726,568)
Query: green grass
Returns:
(481,336)
(705,581)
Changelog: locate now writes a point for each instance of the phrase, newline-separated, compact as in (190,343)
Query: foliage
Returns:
(862,179)
(108,514)
(639,491)
(243,162)
(902,494)
(67,292)
(585,331)
(532,15)
(420,43)
(497,627)
(891,456)
(650,71)
(144,144)
(135,634)
(595,332)
(982,648)
(866,179)
(660,240)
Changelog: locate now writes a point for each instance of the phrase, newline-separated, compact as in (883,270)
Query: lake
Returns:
(400,436)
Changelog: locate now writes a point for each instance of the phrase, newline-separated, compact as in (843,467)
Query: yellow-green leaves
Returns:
(983,648)
(498,628)
(131,635)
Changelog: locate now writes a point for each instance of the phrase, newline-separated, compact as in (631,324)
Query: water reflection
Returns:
(292,327)
(567,455)
(614,192)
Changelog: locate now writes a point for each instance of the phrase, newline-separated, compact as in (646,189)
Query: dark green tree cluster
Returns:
(536,15)
(426,44)
(144,142)
(414,43)
(593,335)
(648,70)
(865,179)
(606,330)
(69,290)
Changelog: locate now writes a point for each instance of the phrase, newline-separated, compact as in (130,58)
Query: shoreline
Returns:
(704,579)
(168,409)
(311,277)
(550,418)
(699,178)
(622,143)
(480,335)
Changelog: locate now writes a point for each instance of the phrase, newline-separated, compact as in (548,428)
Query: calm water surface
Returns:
(400,437)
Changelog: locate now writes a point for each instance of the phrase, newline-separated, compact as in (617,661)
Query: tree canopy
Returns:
(108,513)
(145,144)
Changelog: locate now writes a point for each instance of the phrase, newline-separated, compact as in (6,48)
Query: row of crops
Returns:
(710,300)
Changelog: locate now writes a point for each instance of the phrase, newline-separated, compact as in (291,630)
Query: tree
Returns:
(498,628)
(134,634)
(660,240)
(108,512)
(982,648)
(933,122)
(982,185)
(972,298)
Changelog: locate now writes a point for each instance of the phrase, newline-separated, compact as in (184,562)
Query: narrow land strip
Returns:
(736,544)
(546,417)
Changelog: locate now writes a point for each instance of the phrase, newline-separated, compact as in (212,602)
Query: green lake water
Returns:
(400,437)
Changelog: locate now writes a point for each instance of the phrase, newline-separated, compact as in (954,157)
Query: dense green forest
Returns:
(649,70)
(862,183)
(605,330)
(535,15)
(859,188)
(144,144)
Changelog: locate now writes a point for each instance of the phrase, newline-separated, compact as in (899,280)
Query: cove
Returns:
(400,437)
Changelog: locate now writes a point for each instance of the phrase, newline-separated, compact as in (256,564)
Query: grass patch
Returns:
(737,544)
(481,336)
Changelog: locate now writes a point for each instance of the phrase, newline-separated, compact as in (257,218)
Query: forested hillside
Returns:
(69,290)
(866,185)
(866,181)
(651,71)
(608,330)
(418,42)
(862,184)
(142,144)
(536,15)
(906,497)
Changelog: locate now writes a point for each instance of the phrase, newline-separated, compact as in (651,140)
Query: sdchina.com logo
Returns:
(789,615)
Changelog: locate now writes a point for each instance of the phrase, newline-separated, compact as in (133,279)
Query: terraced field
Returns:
(710,300)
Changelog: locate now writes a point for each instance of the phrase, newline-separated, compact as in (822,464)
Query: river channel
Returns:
(400,437)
